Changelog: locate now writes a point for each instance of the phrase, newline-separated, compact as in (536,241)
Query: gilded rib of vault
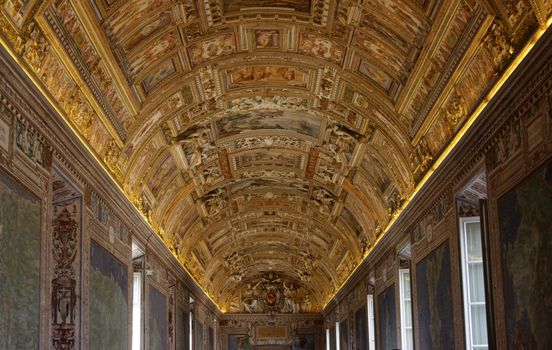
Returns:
(267,136)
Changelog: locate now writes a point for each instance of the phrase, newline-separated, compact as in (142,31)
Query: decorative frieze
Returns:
(30,143)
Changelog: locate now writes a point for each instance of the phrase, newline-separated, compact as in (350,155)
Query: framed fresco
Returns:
(182,329)
(267,39)
(375,74)
(238,342)
(434,296)
(238,5)
(158,327)
(278,75)
(313,45)
(332,339)
(303,342)
(158,75)
(387,319)
(361,328)
(344,335)
(298,122)
(199,336)
(20,232)
(212,48)
(525,219)
(211,338)
(108,300)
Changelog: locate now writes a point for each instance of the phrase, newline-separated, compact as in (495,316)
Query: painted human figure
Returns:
(289,303)
(250,300)
(64,305)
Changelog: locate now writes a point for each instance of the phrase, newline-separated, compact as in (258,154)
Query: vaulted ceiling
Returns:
(260,136)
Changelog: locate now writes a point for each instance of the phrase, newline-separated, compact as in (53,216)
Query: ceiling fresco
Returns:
(268,143)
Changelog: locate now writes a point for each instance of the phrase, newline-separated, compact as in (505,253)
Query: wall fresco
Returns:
(210,339)
(108,300)
(387,319)
(157,321)
(20,252)
(434,295)
(199,336)
(182,329)
(333,345)
(525,219)
(361,328)
(344,335)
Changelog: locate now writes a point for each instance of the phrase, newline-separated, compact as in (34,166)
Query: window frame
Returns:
(137,317)
(467,309)
(404,342)
(370,310)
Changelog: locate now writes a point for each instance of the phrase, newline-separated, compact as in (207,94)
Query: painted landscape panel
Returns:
(525,219)
(344,335)
(108,295)
(259,183)
(299,122)
(162,20)
(151,80)
(164,172)
(158,336)
(332,339)
(376,74)
(237,5)
(19,267)
(153,52)
(182,329)
(435,315)
(387,319)
(211,338)
(361,328)
(199,336)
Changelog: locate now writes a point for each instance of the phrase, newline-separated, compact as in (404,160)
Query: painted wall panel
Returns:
(361,329)
(387,319)
(19,267)
(434,298)
(182,329)
(157,320)
(525,221)
(108,296)
(344,335)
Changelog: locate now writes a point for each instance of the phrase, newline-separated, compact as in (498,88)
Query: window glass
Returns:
(475,315)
